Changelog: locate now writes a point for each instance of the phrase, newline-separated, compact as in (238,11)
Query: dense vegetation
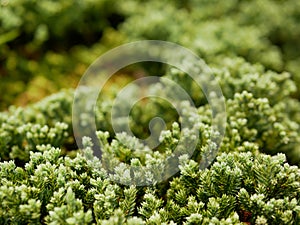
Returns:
(252,48)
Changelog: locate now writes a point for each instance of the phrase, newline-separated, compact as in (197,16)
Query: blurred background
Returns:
(47,45)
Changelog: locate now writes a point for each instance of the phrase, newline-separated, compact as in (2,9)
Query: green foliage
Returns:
(254,120)
(53,42)
(40,42)
(58,190)
(232,183)
(47,122)
(69,213)
(86,190)
(252,48)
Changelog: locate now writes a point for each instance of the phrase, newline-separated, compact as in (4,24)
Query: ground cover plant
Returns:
(252,49)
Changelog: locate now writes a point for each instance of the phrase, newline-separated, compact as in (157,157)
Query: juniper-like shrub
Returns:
(242,185)
(238,187)
(252,49)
